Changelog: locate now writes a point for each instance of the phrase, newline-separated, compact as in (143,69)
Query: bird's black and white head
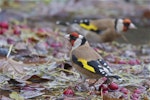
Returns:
(76,39)
(122,25)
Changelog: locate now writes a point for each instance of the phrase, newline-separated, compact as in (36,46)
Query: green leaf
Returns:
(46,1)
(16,96)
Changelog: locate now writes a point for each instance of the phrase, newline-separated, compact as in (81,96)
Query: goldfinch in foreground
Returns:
(100,30)
(86,60)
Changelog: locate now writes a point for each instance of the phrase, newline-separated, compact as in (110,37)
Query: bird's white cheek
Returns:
(119,27)
(77,43)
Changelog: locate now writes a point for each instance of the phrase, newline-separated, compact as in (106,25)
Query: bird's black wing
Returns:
(96,66)
(85,23)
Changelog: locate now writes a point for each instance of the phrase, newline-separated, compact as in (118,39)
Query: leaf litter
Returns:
(25,78)
(34,65)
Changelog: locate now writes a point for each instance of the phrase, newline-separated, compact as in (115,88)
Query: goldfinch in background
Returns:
(86,60)
(100,30)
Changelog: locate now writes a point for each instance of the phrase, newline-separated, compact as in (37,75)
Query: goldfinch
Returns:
(86,60)
(100,30)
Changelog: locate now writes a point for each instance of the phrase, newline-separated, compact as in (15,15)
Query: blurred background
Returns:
(45,13)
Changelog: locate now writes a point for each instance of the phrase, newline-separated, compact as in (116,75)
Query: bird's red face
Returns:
(73,37)
(76,39)
(127,24)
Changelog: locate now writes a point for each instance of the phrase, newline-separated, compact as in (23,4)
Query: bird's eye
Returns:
(126,24)
(73,37)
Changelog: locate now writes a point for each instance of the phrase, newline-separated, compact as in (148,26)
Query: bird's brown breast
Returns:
(86,52)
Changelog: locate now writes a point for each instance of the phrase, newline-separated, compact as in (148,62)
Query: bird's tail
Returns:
(63,23)
(77,21)
(116,77)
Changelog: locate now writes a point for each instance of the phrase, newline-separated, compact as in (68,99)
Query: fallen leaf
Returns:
(29,36)
(33,87)
(16,96)
(106,97)
(136,69)
(4,98)
(41,32)
(3,78)
(15,82)
(30,94)
(31,59)
(37,79)
(11,67)
(20,46)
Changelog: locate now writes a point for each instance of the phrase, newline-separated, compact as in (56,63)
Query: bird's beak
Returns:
(132,26)
(67,36)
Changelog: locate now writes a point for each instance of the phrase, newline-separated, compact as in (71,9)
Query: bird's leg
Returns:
(82,84)
(99,82)
(91,82)
(126,40)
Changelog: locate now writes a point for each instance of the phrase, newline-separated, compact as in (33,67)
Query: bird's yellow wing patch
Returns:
(85,65)
(89,27)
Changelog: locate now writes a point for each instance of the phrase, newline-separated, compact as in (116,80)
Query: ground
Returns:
(33,64)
